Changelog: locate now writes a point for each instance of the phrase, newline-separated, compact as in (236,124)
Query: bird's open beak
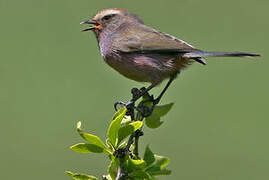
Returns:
(91,21)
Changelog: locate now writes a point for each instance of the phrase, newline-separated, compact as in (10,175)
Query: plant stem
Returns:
(121,174)
(136,146)
(134,138)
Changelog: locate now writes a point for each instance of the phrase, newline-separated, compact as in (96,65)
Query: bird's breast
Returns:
(105,46)
(153,67)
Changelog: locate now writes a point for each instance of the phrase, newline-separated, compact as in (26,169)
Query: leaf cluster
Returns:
(121,127)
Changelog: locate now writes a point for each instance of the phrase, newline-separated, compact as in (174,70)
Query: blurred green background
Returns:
(52,75)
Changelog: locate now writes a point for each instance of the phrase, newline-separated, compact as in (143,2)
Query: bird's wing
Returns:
(141,38)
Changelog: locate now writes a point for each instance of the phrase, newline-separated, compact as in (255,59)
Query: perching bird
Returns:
(142,53)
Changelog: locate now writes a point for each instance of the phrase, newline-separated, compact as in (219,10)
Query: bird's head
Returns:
(110,19)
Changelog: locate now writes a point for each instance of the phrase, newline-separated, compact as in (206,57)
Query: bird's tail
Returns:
(218,54)
(198,55)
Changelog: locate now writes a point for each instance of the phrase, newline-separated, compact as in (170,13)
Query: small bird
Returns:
(142,53)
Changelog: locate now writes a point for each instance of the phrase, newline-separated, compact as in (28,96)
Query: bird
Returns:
(142,53)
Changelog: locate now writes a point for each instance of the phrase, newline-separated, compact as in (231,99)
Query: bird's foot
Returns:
(145,107)
(156,101)
(136,93)
(120,104)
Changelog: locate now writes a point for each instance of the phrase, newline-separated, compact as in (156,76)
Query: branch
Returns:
(125,161)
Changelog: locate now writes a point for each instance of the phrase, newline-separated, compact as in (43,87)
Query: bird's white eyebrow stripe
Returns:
(112,11)
(108,12)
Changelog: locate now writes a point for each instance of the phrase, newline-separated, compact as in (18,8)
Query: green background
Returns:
(52,75)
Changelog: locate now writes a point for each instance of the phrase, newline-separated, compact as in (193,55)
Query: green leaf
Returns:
(129,129)
(155,164)
(149,156)
(161,161)
(110,146)
(95,140)
(157,167)
(77,176)
(138,162)
(162,110)
(119,113)
(154,120)
(140,174)
(114,127)
(123,144)
(87,148)
(161,172)
(135,164)
(113,167)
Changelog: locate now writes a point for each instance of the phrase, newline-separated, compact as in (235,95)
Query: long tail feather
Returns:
(199,54)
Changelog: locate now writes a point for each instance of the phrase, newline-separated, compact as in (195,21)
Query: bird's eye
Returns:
(107,17)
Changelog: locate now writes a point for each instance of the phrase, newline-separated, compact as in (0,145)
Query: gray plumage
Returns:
(142,53)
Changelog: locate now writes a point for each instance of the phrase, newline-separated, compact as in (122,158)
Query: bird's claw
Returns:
(146,107)
(143,108)
(128,105)
(116,104)
(136,93)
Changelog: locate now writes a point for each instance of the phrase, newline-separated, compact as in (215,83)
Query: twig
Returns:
(136,146)
(121,174)
(142,111)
